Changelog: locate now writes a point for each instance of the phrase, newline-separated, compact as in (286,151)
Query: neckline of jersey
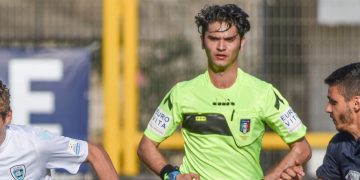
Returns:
(229,89)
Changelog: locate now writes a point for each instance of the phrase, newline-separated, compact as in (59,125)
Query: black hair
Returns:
(347,78)
(230,14)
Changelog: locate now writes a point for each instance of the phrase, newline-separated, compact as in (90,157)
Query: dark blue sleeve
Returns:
(330,168)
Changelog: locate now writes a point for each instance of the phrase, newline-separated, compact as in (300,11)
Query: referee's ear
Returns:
(8,118)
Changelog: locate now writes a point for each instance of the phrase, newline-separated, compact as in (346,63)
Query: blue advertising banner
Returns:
(49,88)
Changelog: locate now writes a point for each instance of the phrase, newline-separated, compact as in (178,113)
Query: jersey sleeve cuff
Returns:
(153,137)
(294,136)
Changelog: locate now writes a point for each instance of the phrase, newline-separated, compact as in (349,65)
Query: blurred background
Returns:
(104,65)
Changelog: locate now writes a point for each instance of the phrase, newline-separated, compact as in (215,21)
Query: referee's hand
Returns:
(190,176)
(294,172)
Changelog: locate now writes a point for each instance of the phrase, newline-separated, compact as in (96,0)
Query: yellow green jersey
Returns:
(223,128)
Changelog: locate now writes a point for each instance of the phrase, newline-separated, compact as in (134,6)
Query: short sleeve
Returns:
(329,169)
(281,117)
(166,118)
(61,152)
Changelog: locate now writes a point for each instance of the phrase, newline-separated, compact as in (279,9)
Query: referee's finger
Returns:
(195,176)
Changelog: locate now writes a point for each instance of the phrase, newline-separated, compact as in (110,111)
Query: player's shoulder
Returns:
(29,132)
(341,138)
(22,132)
(341,141)
(22,129)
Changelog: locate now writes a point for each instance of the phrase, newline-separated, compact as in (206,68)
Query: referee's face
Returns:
(340,110)
(222,44)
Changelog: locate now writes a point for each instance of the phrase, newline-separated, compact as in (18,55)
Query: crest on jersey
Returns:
(352,175)
(244,125)
(18,172)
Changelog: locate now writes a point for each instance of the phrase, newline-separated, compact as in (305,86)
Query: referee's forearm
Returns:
(300,152)
(150,155)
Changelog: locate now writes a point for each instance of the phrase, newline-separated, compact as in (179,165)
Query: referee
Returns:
(223,113)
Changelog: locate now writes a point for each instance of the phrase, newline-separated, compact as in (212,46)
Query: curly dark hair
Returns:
(228,13)
(347,78)
(4,100)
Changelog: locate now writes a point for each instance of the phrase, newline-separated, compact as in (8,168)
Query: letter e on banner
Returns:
(21,73)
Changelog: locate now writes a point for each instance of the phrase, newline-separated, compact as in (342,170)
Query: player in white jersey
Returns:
(30,153)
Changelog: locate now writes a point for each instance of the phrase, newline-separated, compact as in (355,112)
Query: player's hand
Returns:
(190,176)
(293,172)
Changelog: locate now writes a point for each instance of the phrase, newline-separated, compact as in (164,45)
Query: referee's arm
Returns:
(300,153)
(149,154)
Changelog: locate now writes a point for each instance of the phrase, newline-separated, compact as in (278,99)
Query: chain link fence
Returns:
(287,46)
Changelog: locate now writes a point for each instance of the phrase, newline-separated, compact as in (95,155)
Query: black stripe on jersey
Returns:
(277,101)
(168,100)
(206,124)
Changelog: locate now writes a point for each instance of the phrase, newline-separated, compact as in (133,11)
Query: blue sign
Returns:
(49,88)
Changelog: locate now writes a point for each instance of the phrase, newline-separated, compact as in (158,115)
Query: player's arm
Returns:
(101,162)
(329,168)
(290,167)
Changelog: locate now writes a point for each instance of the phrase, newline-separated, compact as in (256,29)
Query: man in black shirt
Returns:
(342,159)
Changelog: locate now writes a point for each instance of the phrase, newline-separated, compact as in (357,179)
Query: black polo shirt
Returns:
(342,158)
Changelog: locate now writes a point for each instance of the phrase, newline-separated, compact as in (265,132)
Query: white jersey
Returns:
(29,153)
